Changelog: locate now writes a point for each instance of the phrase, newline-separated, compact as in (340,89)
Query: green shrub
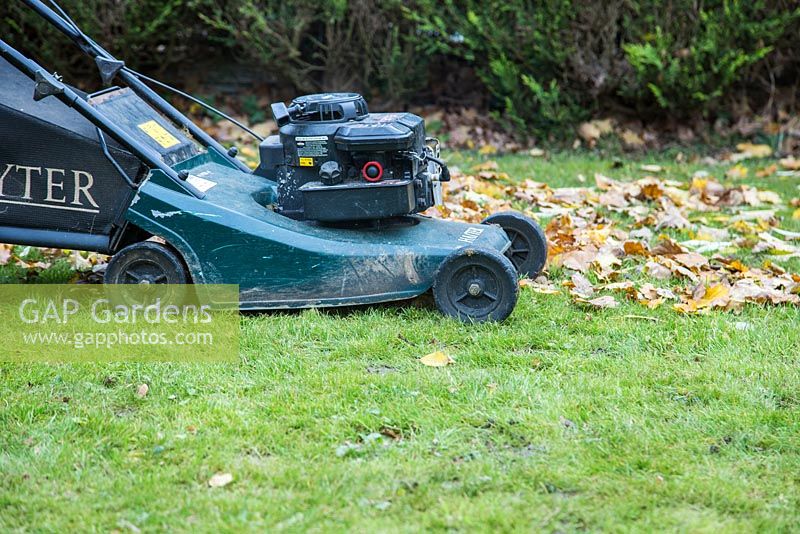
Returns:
(151,34)
(551,63)
(511,46)
(329,45)
(543,65)
(698,61)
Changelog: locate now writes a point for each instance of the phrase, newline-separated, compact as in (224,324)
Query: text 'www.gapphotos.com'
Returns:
(80,340)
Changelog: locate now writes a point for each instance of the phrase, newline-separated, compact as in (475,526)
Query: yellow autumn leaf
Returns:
(737,171)
(754,151)
(796,214)
(437,359)
(716,295)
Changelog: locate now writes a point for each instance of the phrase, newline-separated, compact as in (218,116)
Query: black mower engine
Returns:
(335,162)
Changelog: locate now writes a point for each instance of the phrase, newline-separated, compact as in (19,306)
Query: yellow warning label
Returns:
(159,134)
(306,162)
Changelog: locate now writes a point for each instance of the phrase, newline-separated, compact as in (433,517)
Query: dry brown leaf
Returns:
(578,260)
(490,165)
(769,170)
(582,287)
(436,359)
(790,163)
(544,287)
(667,247)
(692,260)
(589,132)
(658,271)
(635,248)
(672,217)
(631,139)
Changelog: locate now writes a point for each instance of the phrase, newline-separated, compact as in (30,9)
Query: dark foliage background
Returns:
(539,66)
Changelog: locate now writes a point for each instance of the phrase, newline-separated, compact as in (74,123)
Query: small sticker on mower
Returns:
(315,146)
(470,235)
(159,134)
(201,184)
(306,162)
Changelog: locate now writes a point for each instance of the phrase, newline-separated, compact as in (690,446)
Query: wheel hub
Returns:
(475,289)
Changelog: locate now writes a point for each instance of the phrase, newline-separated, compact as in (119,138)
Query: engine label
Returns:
(306,162)
(315,146)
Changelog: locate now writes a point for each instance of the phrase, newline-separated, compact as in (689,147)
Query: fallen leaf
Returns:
(579,260)
(437,359)
(489,165)
(770,197)
(544,287)
(749,150)
(657,271)
(736,172)
(220,480)
(582,287)
(672,218)
(635,248)
(606,301)
(589,133)
(142,390)
(692,260)
(769,170)
(790,163)
(716,295)
(631,139)
(651,168)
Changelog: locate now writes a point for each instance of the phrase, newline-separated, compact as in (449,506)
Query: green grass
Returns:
(559,419)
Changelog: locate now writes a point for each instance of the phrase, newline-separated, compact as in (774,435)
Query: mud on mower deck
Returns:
(329,217)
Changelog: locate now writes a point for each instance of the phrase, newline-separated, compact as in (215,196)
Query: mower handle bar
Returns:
(49,85)
(111,67)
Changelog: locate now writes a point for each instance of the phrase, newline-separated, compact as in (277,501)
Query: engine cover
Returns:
(334,161)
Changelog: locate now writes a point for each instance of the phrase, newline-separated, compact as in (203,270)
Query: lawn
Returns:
(562,418)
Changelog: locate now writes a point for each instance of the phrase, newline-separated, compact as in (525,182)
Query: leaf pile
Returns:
(48,265)
(654,241)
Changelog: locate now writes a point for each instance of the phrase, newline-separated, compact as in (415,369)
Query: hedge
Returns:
(541,65)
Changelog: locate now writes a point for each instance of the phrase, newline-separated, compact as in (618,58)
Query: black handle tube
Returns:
(73,100)
(94,50)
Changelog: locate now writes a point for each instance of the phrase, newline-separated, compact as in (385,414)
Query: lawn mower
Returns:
(331,216)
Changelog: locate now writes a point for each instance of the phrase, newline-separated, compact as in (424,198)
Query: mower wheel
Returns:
(476,285)
(528,250)
(147,262)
